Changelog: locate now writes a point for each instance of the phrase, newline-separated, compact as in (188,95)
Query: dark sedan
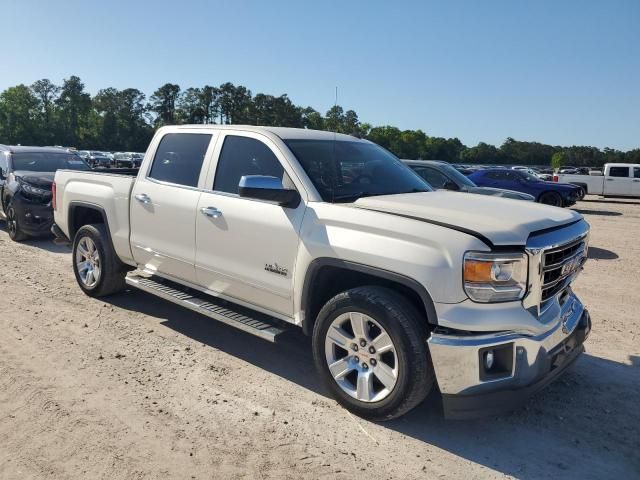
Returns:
(549,193)
(26,177)
(442,175)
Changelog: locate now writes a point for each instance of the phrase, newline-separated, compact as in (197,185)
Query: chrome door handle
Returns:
(143,198)
(212,212)
(636,180)
(609,179)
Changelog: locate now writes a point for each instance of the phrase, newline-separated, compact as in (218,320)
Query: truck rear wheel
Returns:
(369,346)
(98,270)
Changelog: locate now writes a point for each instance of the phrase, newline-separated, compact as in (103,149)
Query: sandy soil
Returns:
(135,388)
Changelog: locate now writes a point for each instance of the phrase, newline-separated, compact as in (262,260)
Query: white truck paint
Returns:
(267,257)
(618,179)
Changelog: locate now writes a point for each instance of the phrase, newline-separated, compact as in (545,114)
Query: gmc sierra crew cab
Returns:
(404,290)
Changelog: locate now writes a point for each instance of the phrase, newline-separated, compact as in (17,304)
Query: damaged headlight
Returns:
(30,189)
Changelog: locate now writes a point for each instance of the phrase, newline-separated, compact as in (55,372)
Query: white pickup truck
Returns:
(617,180)
(404,290)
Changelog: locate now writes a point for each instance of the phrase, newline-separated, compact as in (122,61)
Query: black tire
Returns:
(408,332)
(113,271)
(13,225)
(551,198)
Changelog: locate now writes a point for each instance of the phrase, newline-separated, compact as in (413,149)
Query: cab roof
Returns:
(285,133)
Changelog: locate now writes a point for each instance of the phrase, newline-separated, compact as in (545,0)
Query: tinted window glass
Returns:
(47,162)
(619,172)
(244,156)
(3,163)
(432,176)
(344,171)
(636,172)
(179,158)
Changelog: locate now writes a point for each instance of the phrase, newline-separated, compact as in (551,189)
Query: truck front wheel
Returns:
(369,345)
(98,270)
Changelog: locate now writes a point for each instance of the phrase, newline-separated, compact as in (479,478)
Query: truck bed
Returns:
(108,189)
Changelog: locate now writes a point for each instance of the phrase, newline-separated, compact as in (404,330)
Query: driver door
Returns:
(245,248)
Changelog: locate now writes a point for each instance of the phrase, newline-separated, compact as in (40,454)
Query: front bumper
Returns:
(468,391)
(34,217)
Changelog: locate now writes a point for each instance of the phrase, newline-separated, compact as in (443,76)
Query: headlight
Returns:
(33,190)
(495,277)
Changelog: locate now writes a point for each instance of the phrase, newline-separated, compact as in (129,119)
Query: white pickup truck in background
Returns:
(404,290)
(618,179)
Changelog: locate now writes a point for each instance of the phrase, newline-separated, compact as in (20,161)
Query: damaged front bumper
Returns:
(483,374)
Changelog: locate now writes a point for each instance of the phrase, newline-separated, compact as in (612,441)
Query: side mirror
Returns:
(270,189)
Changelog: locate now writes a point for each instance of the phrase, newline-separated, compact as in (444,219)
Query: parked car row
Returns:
(98,159)
(517,183)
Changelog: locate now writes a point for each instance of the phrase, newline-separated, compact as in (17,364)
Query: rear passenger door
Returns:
(164,202)
(618,181)
(246,250)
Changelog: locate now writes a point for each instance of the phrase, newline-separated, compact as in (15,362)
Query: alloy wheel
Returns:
(361,357)
(88,262)
(12,223)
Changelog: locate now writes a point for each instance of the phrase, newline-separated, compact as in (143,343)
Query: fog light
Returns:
(488,359)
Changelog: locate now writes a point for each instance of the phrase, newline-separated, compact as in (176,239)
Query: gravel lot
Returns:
(137,388)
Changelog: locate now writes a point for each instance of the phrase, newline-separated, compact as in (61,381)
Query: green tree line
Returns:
(49,114)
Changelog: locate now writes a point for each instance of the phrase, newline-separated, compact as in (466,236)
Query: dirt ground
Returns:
(135,388)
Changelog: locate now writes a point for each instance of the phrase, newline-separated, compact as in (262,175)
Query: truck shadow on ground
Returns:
(581,416)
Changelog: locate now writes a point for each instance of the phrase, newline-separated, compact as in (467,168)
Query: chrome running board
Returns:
(239,317)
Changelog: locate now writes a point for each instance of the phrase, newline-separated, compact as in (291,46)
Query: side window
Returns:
(4,164)
(619,172)
(432,176)
(179,158)
(244,156)
(636,172)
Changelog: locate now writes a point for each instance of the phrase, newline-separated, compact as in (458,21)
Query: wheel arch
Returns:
(83,213)
(326,277)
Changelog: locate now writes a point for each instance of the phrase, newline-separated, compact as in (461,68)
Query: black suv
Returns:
(26,176)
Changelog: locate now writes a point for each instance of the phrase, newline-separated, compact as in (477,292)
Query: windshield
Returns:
(345,171)
(47,162)
(458,177)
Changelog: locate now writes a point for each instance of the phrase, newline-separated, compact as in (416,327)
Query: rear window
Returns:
(47,162)
(179,158)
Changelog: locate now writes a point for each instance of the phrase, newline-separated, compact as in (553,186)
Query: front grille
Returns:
(559,266)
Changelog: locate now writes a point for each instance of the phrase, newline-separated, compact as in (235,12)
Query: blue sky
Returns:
(560,72)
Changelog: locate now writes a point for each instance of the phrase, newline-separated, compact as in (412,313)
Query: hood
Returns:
(37,179)
(499,192)
(502,221)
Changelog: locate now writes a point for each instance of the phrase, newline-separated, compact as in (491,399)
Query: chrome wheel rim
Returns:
(88,263)
(361,357)
(12,224)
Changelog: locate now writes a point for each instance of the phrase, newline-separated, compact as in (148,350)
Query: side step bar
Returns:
(242,318)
